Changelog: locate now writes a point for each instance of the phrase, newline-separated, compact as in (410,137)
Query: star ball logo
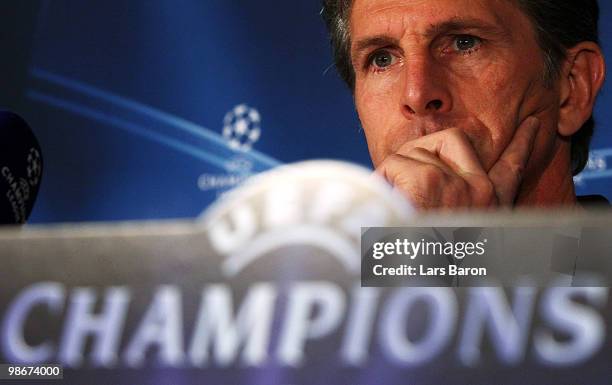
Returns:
(241,127)
(241,130)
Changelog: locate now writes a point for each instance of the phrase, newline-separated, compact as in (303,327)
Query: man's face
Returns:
(423,66)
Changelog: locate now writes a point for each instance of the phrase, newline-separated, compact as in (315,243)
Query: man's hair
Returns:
(559,24)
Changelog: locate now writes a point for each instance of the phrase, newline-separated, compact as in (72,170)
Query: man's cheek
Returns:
(485,139)
(493,123)
(375,133)
(384,138)
(484,148)
(382,124)
(544,146)
(502,134)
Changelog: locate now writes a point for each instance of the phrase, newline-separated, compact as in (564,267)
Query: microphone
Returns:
(21,167)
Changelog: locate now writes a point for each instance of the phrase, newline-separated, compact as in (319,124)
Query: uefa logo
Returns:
(241,127)
(241,130)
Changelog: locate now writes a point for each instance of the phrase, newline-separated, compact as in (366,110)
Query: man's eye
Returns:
(466,43)
(382,59)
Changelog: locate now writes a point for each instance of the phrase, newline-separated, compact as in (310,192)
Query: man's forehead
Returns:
(395,17)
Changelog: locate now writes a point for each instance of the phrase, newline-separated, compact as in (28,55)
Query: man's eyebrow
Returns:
(458,24)
(374,41)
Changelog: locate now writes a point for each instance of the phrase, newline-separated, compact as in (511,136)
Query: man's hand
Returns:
(442,170)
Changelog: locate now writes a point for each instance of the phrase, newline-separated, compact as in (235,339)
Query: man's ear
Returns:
(582,77)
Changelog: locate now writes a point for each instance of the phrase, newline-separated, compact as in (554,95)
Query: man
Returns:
(473,103)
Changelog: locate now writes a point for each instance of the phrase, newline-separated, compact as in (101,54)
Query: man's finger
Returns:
(424,156)
(421,185)
(507,173)
(452,146)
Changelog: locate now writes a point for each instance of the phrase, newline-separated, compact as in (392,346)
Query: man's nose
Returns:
(425,89)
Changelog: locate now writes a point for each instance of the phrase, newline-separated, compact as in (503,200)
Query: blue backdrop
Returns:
(151,109)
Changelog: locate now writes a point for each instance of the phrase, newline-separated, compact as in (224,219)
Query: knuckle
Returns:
(432,177)
(385,167)
(418,151)
(393,158)
(456,134)
(485,191)
(515,169)
(485,187)
(481,190)
(518,170)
